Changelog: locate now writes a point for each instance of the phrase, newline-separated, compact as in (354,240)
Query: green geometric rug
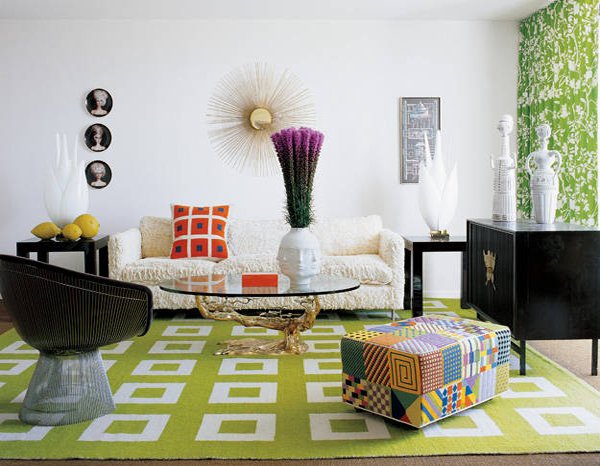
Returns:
(175,399)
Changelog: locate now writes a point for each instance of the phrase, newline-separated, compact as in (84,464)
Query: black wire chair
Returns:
(67,316)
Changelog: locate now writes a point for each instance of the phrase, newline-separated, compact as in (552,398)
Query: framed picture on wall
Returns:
(419,116)
(98,174)
(97,137)
(98,102)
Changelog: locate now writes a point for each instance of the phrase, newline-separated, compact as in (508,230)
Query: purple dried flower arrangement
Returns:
(298,152)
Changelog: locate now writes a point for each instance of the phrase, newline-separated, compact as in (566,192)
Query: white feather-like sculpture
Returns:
(66,194)
(438,191)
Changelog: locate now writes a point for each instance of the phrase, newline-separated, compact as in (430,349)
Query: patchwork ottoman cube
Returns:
(420,370)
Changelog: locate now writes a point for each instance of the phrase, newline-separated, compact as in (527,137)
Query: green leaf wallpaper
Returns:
(558,85)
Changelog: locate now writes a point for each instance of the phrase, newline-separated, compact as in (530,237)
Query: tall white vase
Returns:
(299,256)
(544,179)
(504,204)
(66,194)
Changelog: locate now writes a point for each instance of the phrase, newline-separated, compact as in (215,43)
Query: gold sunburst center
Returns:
(261,118)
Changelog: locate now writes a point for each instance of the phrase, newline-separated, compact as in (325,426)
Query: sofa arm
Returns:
(123,248)
(391,250)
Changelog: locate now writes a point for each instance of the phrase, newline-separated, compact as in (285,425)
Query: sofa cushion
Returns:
(348,236)
(157,236)
(153,270)
(255,236)
(369,269)
(248,263)
(200,232)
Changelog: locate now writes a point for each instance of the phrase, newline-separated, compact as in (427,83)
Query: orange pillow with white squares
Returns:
(199,232)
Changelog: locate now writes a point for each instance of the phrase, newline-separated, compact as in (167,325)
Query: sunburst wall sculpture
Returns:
(248,105)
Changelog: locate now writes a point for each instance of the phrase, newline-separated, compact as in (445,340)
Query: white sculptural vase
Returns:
(504,204)
(66,193)
(438,191)
(299,257)
(544,179)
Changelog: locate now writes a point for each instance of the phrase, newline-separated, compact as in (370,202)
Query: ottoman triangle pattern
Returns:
(405,406)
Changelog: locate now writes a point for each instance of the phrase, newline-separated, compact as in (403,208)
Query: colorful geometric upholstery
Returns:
(423,369)
(199,232)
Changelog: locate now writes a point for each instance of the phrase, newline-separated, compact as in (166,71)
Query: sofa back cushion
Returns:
(157,236)
(337,236)
(255,236)
(348,236)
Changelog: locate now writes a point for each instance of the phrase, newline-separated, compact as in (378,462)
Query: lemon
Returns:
(46,230)
(88,224)
(71,231)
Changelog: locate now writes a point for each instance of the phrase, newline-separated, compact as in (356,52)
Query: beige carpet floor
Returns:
(575,355)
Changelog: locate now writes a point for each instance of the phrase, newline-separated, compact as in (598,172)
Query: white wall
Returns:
(161,73)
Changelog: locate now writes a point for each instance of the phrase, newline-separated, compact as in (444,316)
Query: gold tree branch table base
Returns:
(222,297)
(288,323)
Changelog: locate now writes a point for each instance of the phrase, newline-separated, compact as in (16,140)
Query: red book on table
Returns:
(259,279)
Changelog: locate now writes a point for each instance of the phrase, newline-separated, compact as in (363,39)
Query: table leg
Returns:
(42,256)
(463,281)
(407,279)
(90,261)
(594,356)
(522,357)
(103,261)
(290,325)
(22,252)
(417,283)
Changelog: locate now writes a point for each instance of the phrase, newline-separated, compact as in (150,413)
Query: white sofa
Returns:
(353,247)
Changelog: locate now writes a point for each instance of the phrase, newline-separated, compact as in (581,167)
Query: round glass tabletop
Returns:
(230,285)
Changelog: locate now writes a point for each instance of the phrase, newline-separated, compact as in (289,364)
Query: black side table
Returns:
(88,246)
(414,247)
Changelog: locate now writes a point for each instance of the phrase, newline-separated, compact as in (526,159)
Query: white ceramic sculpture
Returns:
(299,257)
(544,179)
(438,191)
(66,193)
(504,205)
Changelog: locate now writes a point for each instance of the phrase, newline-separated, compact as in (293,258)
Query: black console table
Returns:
(88,246)
(414,247)
(542,281)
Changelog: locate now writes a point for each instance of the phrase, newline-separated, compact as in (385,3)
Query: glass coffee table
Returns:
(217,296)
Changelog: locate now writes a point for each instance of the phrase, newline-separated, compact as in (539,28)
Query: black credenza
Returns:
(544,284)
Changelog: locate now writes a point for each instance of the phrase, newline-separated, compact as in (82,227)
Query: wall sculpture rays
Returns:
(248,105)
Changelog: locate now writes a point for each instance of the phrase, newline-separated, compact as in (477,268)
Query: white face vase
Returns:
(299,264)
(299,256)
